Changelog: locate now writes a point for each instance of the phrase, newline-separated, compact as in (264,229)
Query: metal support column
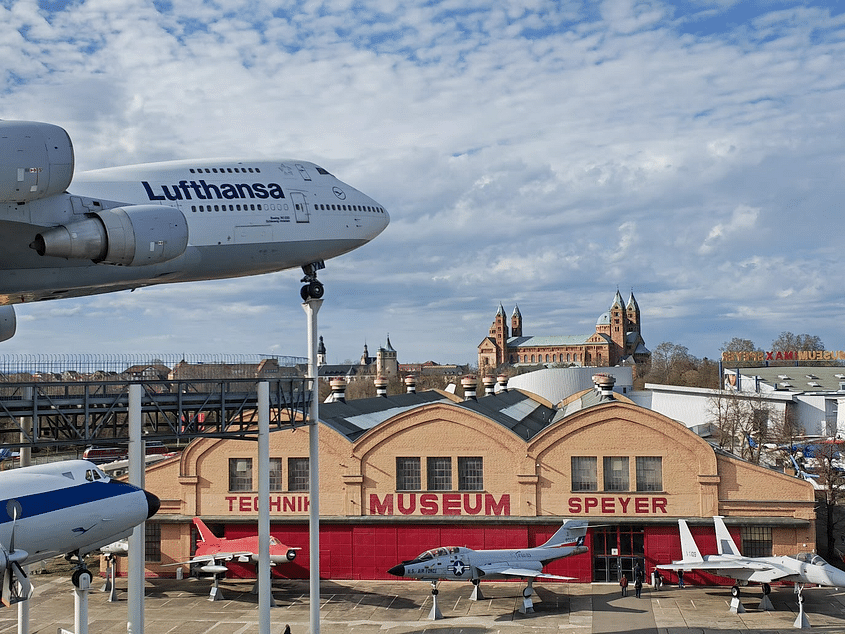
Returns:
(264,582)
(135,619)
(25,460)
(312,307)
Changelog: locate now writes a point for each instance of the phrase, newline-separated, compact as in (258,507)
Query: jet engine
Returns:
(135,235)
(36,161)
(8,323)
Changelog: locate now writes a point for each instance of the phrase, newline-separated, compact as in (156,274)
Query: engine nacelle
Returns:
(137,235)
(8,325)
(36,160)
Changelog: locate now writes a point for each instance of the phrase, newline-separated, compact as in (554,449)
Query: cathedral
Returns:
(617,340)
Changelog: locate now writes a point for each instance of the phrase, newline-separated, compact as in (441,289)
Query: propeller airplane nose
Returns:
(153,504)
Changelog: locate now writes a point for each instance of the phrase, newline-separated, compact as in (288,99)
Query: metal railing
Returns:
(126,366)
(66,414)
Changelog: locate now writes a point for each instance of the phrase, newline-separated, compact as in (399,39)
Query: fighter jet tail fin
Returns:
(204,532)
(572,532)
(689,549)
(724,541)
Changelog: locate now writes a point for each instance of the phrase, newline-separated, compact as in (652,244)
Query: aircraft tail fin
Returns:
(724,541)
(205,533)
(689,549)
(572,532)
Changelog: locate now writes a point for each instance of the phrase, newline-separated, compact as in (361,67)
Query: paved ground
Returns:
(402,607)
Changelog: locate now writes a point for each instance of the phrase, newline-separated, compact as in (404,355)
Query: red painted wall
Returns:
(360,551)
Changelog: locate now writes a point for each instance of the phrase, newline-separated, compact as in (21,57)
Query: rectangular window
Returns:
(240,474)
(276,482)
(298,474)
(439,473)
(408,474)
(616,476)
(757,541)
(585,473)
(152,541)
(649,473)
(470,473)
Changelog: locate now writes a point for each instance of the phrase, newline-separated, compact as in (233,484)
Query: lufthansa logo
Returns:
(339,193)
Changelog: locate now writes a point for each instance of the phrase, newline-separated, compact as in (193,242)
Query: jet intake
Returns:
(137,235)
(8,323)
(36,161)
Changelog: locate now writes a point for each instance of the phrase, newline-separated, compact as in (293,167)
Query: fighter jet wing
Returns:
(213,559)
(510,571)
(741,564)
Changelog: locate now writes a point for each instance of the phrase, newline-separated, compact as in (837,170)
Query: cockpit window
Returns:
(810,558)
(274,541)
(89,475)
(425,556)
(320,170)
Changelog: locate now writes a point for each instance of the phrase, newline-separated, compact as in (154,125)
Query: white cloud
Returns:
(535,152)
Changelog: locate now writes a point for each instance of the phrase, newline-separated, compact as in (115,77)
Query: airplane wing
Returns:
(215,558)
(748,569)
(510,571)
(716,565)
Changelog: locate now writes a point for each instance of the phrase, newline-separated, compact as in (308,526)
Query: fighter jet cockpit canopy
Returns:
(811,558)
(437,552)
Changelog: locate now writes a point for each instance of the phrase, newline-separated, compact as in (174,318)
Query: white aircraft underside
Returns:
(67,235)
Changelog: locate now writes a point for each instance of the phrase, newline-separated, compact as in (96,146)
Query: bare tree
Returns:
(831,497)
(745,423)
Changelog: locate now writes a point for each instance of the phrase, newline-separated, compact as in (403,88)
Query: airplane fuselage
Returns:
(461,563)
(777,568)
(233,218)
(67,506)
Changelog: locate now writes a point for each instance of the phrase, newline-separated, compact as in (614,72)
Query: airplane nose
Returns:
(153,504)
(398,571)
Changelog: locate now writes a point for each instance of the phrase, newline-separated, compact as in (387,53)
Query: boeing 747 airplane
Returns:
(128,227)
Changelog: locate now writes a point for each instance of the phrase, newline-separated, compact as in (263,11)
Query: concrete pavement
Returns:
(402,607)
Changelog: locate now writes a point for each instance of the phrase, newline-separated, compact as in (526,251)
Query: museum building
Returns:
(402,474)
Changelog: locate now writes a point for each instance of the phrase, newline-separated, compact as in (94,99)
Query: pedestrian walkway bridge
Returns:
(72,413)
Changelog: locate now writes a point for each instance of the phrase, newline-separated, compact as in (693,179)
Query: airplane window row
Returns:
(225,170)
(324,207)
(244,207)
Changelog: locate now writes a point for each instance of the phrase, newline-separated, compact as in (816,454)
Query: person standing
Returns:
(681,579)
(623,582)
(638,585)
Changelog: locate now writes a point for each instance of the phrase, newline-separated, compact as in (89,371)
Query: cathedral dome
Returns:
(604,320)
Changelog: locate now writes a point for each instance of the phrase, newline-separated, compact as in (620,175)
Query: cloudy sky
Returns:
(543,153)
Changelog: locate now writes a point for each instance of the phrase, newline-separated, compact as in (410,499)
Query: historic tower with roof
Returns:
(617,339)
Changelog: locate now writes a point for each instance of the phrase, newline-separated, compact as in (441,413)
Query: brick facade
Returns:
(617,339)
(369,522)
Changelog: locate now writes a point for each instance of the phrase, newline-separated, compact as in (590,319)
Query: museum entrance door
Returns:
(616,550)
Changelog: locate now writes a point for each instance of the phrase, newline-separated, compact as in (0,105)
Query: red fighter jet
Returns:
(213,553)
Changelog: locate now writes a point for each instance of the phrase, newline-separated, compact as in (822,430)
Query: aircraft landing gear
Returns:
(735,591)
(766,602)
(435,613)
(476,591)
(527,603)
(313,288)
(81,578)
(801,621)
